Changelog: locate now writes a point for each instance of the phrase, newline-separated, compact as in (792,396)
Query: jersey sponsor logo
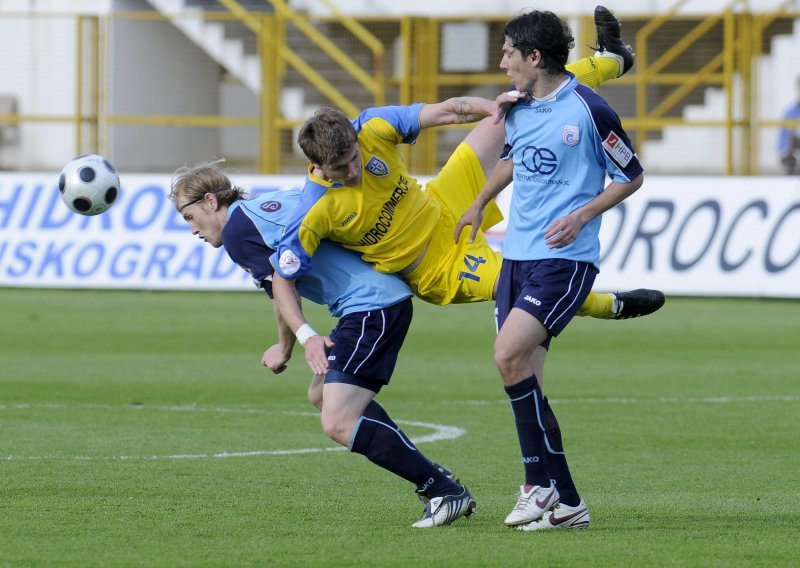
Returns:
(532,300)
(289,262)
(571,135)
(270,206)
(618,150)
(539,160)
(377,167)
(385,216)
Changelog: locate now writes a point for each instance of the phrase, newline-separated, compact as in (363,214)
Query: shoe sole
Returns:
(605,20)
(655,301)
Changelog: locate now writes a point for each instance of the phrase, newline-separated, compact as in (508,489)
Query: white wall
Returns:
(157,71)
(37,58)
(153,71)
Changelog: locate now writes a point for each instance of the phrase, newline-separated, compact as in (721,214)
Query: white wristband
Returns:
(304,333)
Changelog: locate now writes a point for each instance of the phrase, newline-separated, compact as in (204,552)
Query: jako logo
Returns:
(532,300)
(531,459)
(425,485)
(350,217)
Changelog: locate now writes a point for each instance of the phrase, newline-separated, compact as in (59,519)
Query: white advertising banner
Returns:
(140,243)
(716,236)
(702,236)
(727,236)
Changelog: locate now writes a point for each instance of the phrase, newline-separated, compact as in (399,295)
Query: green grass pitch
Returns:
(139,429)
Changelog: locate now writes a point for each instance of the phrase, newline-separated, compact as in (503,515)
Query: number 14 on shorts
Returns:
(472,263)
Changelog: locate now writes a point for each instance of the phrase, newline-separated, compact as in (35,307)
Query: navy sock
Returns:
(379,439)
(377,412)
(557,458)
(526,400)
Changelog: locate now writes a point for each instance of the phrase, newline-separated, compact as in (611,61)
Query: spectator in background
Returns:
(789,139)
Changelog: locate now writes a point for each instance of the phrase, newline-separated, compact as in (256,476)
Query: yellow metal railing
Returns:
(759,24)
(719,70)
(732,64)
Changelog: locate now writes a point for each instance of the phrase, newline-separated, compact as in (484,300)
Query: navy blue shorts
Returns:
(551,290)
(367,346)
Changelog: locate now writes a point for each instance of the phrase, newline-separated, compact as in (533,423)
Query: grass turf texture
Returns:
(115,408)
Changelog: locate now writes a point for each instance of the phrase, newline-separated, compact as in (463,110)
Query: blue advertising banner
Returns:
(732,236)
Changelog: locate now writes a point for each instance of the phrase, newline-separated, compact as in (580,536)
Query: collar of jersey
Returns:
(564,87)
(319,180)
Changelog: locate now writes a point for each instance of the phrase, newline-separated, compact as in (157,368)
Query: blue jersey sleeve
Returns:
(292,259)
(246,247)
(404,119)
(622,163)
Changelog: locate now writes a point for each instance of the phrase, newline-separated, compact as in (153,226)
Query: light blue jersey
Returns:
(562,148)
(338,279)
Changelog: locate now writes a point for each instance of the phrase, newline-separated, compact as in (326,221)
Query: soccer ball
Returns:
(89,184)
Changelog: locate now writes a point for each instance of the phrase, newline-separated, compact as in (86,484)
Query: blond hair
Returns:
(192,183)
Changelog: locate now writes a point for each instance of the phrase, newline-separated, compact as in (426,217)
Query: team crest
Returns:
(571,135)
(377,167)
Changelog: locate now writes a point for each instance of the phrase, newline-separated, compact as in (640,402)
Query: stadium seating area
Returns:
(686,88)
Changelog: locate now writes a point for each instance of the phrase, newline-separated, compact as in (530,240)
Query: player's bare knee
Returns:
(508,362)
(315,396)
(335,428)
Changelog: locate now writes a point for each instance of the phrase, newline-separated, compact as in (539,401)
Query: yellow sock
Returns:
(597,306)
(593,71)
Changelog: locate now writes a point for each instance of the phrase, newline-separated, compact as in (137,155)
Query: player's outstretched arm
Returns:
(458,110)
(473,217)
(277,356)
(505,101)
(287,302)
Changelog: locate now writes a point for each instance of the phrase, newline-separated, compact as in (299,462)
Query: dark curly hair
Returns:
(544,32)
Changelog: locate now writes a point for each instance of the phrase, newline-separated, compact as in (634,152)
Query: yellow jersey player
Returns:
(359,193)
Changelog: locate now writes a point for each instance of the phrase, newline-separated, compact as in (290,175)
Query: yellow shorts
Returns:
(459,183)
(463,272)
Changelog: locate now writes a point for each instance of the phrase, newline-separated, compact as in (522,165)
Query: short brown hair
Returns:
(194,182)
(327,137)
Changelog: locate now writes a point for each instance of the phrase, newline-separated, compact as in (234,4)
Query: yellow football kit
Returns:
(390,220)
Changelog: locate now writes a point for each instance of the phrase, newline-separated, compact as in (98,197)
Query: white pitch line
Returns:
(440,432)
(634,400)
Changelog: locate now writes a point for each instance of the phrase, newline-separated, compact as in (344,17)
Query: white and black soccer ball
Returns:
(89,184)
